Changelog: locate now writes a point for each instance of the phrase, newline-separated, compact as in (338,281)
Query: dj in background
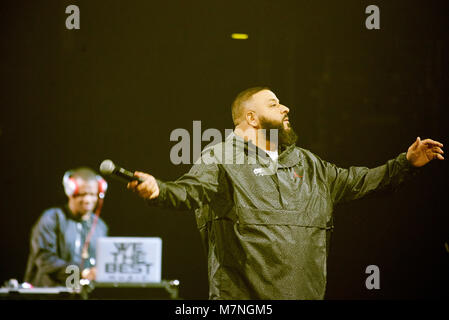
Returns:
(67,235)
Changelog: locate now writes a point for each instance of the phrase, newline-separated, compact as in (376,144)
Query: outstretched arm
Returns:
(190,191)
(356,182)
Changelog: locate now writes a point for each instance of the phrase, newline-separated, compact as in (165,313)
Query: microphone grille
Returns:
(107,167)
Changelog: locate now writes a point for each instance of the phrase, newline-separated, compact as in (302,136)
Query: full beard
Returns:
(286,137)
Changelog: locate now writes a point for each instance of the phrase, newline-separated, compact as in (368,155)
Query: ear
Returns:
(252,119)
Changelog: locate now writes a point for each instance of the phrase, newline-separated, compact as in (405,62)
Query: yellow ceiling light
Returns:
(239,36)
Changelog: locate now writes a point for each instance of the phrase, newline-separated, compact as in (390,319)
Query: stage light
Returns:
(239,36)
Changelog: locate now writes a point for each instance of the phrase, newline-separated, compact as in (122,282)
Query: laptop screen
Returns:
(129,260)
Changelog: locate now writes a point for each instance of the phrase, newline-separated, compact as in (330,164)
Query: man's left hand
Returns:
(422,152)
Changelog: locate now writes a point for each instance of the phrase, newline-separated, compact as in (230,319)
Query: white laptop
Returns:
(129,260)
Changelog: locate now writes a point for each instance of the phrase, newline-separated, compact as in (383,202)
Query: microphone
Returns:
(108,167)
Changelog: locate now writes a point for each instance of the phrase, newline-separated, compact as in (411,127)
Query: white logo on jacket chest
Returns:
(263,171)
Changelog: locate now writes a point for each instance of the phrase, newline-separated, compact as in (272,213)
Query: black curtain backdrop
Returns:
(137,70)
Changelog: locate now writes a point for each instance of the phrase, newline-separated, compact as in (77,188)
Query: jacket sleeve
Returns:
(199,186)
(44,246)
(357,182)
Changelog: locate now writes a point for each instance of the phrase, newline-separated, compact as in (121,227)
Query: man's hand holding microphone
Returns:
(145,185)
(148,189)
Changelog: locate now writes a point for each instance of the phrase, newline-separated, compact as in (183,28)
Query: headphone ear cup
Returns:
(70,185)
(102,186)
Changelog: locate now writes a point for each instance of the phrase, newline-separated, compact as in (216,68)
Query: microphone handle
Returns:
(127,175)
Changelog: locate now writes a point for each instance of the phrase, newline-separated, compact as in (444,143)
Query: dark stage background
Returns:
(136,70)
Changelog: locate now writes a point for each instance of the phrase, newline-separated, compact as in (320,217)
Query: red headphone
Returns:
(71,187)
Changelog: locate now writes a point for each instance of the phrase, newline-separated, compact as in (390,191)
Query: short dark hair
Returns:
(241,99)
(84,173)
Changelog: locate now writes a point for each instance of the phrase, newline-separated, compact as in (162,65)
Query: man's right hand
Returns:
(147,189)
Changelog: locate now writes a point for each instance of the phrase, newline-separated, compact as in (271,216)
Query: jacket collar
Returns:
(289,157)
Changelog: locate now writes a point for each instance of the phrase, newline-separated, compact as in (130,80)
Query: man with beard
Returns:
(265,221)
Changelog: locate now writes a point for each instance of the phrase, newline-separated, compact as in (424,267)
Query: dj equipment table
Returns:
(54,293)
(164,290)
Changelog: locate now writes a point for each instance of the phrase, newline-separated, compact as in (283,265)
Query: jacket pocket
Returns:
(318,218)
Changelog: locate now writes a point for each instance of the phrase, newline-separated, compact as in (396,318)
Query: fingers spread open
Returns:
(432,142)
